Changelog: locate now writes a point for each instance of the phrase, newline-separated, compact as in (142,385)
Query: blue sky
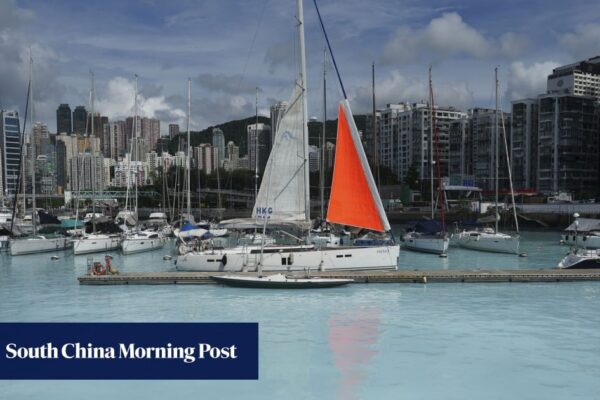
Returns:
(228,48)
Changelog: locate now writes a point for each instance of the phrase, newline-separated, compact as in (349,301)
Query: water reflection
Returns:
(352,338)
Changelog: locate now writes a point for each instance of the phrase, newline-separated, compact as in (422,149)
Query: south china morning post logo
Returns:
(129,351)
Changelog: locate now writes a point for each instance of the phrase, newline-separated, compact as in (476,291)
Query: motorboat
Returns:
(582,258)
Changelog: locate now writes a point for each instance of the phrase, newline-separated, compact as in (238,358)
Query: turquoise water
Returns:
(405,341)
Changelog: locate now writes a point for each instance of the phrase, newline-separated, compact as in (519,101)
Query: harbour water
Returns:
(405,341)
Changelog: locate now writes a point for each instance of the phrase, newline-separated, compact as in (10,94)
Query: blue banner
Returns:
(128,350)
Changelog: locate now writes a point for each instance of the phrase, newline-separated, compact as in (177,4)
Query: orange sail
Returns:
(354,198)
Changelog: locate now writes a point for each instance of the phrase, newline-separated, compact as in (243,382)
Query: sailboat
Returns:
(137,240)
(430,236)
(95,242)
(35,243)
(283,198)
(488,239)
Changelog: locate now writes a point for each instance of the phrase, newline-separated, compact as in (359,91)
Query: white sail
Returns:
(282,191)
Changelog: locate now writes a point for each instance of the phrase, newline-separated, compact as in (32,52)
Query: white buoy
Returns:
(424,279)
(167,257)
(523,255)
(55,258)
(443,255)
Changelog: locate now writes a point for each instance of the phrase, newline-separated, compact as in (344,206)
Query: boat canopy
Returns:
(354,197)
(429,226)
(584,225)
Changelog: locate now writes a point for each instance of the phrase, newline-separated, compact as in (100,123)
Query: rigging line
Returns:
(337,71)
(260,18)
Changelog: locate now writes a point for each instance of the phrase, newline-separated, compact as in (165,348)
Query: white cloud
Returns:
(396,88)
(528,81)
(584,42)
(118,103)
(446,36)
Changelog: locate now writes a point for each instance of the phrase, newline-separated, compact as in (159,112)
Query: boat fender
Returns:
(584,238)
(224,260)
(291,259)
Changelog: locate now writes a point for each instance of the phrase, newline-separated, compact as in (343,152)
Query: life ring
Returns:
(224,260)
(98,269)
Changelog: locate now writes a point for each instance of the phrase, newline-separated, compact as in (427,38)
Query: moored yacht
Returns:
(96,242)
(283,199)
(582,258)
(141,241)
(38,244)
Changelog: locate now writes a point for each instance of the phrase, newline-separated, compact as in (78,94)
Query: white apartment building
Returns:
(404,137)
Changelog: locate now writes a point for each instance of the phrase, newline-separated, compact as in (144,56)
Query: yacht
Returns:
(142,241)
(96,242)
(283,199)
(582,258)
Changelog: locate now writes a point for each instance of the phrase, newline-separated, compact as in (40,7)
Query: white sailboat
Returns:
(138,241)
(488,239)
(429,236)
(95,242)
(283,199)
(35,243)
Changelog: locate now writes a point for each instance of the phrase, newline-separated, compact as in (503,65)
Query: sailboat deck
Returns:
(401,276)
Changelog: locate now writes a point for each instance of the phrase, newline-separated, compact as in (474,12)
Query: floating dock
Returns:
(400,276)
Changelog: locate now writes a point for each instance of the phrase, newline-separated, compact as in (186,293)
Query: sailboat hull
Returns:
(38,244)
(140,245)
(296,258)
(490,242)
(425,243)
(96,244)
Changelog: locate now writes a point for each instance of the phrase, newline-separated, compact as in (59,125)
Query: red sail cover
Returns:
(351,201)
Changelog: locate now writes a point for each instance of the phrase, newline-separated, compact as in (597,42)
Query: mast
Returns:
(135,127)
(496,145)
(322,175)
(92,161)
(189,146)
(33,157)
(375,136)
(255,148)
(431,112)
(302,83)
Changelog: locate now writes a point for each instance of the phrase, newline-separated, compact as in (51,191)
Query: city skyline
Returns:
(228,54)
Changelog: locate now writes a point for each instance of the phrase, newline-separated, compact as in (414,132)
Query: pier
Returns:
(401,276)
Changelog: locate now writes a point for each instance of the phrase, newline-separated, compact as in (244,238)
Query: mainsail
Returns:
(354,198)
(282,194)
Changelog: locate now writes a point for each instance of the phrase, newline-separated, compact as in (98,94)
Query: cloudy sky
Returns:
(230,47)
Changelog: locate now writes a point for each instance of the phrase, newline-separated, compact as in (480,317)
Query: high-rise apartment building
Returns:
(87,172)
(233,155)
(218,141)
(10,147)
(277,111)
(259,146)
(568,144)
(64,119)
(79,120)
(524,143)
(173,130)
(404,138)
(580,79)
(206,158)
